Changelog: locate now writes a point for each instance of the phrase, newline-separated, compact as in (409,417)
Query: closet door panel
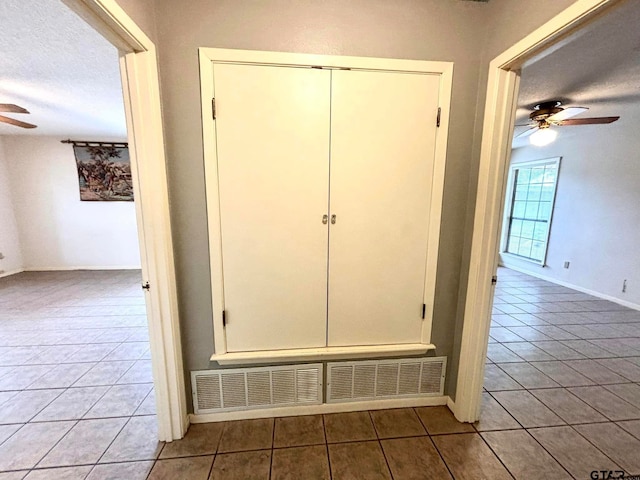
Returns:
(272,132)
(383,129)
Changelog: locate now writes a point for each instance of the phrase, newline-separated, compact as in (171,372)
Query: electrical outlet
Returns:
(624,286)
(566,264)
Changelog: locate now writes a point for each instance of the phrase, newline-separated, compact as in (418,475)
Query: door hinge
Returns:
(494,280)
(224,318)
(146,286)
(438,117)
(424,310)
(213,108)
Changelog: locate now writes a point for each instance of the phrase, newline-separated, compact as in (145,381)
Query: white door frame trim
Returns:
(209,55)
(139,74)
(500,105)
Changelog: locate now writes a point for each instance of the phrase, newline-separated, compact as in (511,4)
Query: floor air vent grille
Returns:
(368,380)
(258,387)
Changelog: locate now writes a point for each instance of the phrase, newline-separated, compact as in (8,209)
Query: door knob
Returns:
(325,219)
(333,219)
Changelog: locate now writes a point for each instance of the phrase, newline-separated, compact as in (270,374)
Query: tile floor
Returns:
(75,376)
(561,399)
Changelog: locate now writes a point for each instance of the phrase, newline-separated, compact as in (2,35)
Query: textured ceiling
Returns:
(598,68)
(61,70)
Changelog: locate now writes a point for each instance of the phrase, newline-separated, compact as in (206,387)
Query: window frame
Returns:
(509,205)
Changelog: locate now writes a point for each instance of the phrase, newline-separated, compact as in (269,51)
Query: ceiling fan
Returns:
(11,108)
(551,113)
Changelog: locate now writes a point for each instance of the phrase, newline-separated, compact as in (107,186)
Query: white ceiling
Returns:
(66,74)
(61,70)
(598,68)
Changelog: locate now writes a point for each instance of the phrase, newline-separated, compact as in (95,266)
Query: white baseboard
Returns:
(11,272)
(320,409)
(603,296)
(91,267)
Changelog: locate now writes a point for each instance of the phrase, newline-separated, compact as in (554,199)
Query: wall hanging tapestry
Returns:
(104,171)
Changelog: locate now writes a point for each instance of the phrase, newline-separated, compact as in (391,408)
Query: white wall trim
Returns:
(603,296)
(139,74)
(320,409)
(81,267)
(321,353)
(501,99)
(209,55)
(11,272)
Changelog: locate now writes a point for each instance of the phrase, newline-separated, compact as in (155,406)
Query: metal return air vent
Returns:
(369,380)
(258,387)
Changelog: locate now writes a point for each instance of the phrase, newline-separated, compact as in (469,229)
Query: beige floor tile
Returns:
(65,473)
(529,352)
(527,375)
(29,444)
(358,461)
(120,401)
(610,405)
(138,440)
(613,441)
(527,409)
(121,471)
(25,405)
(567,406)
(192,468)
(243,435)
(13,475)
(496,379)
(573,452)
(414,459)
(201,439)
(7,430)
(349,427)
(629,392)
(73,404)
(62,376)
(628,370)
(594,371)
(438,420)
(523,456)
(493,416)
(399,422)
(298,431)
(469,458)
(242,466)
(85,443)
(104,373)
(498,353)
(631,426)
(562,374)
(308,463)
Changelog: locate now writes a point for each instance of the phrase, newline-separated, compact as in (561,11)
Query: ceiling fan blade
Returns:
(588,121)
(528,132)
(17,123)
(566,113)
(10,107)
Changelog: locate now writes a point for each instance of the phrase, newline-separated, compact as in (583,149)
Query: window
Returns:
(530,197)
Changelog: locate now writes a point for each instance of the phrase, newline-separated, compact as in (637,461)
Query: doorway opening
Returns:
(565,331)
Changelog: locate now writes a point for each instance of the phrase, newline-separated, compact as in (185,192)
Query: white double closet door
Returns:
(325,187)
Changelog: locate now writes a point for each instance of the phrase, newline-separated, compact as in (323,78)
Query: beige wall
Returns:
(143,12)
(598,191)
(467,33)
(428,30)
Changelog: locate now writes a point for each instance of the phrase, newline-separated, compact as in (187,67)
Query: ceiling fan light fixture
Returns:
(543,137)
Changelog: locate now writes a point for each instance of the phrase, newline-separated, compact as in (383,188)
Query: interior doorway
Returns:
(138,73)
(500,114)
